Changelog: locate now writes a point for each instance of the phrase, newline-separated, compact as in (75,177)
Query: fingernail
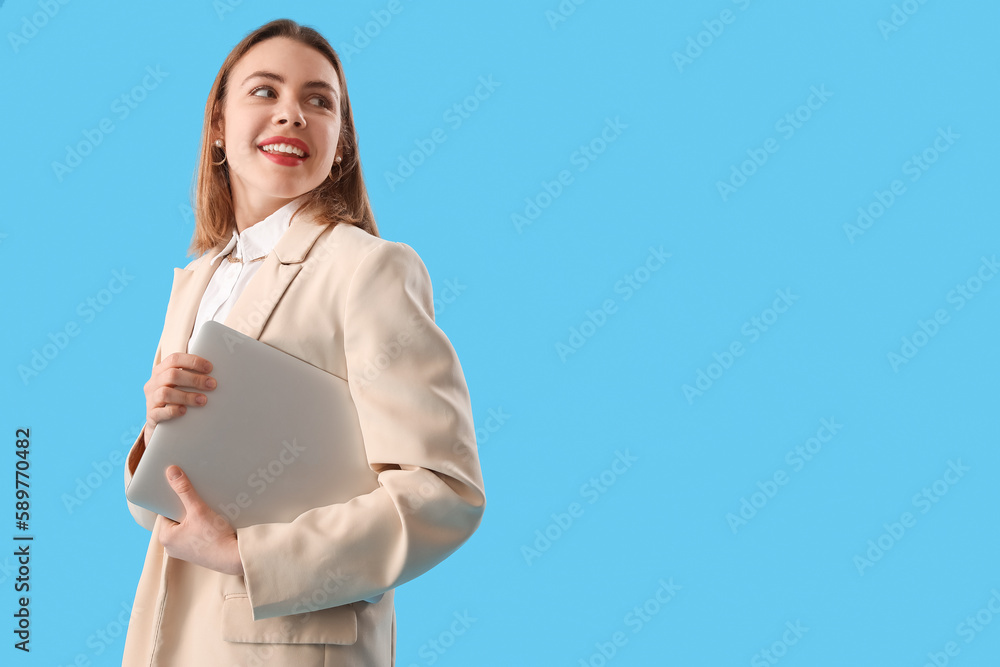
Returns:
(173,472)
(210,383)
(200,400)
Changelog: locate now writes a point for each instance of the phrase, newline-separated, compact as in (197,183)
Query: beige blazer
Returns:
(359,307)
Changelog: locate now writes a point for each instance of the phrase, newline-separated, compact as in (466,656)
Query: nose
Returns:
(290,111)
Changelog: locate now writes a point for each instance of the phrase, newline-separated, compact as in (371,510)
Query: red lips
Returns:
(298,143)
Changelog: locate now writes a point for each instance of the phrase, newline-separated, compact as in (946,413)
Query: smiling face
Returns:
(280,125)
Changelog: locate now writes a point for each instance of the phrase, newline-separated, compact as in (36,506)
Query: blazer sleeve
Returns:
(416,420)
(144,517)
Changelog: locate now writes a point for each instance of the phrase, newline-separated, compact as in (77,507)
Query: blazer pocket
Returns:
(334,625)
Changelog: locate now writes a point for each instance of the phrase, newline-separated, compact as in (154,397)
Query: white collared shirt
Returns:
(230,279)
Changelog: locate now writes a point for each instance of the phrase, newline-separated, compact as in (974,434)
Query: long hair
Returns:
(341,198)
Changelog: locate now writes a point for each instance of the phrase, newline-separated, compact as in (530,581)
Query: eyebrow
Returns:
(323,85)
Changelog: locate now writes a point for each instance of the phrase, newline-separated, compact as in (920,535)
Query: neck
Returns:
(250,211)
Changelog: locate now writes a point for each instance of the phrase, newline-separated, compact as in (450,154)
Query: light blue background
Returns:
(664,518)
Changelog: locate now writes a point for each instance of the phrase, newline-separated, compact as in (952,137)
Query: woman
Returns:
(280,198)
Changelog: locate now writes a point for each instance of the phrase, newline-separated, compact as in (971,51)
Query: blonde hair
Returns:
(342,198)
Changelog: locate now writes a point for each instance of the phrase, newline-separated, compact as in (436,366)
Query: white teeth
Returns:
(283,148)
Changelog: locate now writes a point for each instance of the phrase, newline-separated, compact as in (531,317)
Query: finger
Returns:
(194,380)
(166,413)
(179,377)
(185,360)
(172,396)
(182,486)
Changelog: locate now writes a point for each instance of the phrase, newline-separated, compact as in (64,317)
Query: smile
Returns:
(283,149)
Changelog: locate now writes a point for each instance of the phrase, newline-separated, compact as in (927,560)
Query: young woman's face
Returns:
(280,92)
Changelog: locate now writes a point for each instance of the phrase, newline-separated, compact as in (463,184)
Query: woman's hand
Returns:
(163,398)
(203,537)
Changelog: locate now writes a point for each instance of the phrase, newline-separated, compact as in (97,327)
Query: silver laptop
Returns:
(277,437)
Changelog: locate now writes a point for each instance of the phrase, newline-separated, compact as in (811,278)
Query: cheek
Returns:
(328,149)
(242,130)
(243,152)
(333,134)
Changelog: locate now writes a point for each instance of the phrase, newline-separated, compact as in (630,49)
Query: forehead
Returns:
(293,61)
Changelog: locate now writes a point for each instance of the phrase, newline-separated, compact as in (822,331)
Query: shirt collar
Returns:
(259,239)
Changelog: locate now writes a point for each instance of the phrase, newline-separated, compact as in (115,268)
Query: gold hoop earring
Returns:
(340,170)
(218,144)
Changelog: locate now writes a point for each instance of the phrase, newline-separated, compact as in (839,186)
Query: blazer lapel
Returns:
(185,296)
(253,308)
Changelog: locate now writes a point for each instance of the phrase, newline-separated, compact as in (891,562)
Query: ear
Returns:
(218,127)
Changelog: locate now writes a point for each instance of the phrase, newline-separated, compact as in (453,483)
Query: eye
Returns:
(260,88)
(323,102)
